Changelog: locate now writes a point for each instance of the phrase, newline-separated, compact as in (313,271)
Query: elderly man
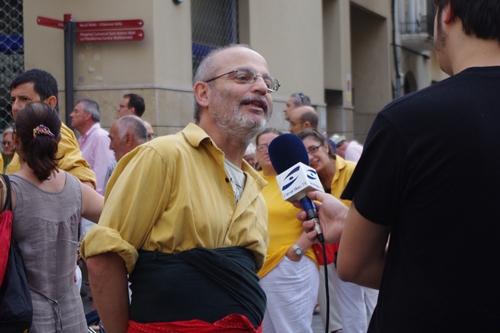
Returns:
(295,100)
(350,151)
(94,141)
(125,134)
(151,132)
(436,275)
(302,118)
(194,246)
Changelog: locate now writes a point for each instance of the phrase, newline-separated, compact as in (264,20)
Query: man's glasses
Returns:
(313,149)
(6,143)
(292,124)
(248,76)
(262,148)
(151,136)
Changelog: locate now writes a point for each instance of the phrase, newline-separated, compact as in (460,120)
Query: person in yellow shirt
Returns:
(290,274)
(37,85)
(183,213)
(334,173)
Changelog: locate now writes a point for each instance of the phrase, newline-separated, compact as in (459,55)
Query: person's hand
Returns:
(332,214)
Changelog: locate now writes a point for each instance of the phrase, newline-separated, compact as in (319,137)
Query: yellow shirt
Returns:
(1,162)
(283,226)
(72,160)
(172,194)
(343,173)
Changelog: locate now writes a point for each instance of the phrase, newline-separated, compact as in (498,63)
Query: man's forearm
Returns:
(109,285)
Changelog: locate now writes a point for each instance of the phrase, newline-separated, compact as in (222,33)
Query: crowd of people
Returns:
(190,233)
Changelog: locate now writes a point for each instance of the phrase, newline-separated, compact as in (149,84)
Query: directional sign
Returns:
(96,25)
(48,22)
(110,36)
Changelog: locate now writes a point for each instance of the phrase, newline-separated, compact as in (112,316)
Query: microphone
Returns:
(295,178)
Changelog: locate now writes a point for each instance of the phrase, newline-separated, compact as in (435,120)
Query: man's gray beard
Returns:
(234,124)
(237,127)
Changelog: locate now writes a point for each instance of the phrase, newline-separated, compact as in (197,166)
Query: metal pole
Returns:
(68,66)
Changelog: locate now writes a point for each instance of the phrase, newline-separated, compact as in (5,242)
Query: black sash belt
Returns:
(196,284)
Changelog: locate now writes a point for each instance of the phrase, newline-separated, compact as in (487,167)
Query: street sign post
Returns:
(51,23)
(89,32)
(96,25)
(109,36)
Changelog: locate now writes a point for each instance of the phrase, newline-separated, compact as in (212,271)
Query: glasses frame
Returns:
(314,148)
(255,76)
(262,148)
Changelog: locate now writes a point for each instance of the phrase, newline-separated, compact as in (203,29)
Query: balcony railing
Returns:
(416,24)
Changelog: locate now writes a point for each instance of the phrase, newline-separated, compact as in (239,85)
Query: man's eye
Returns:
(242,78)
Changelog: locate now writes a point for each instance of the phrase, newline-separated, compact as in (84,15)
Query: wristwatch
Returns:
(298,250)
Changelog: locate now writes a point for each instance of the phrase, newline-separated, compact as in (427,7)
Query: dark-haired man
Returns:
(131,104)
(37,85)
(438,204)
(194,246)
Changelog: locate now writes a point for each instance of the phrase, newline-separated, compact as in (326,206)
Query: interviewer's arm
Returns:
(362,251)
(109,285)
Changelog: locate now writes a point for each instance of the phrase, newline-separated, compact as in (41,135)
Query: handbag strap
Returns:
(5,193)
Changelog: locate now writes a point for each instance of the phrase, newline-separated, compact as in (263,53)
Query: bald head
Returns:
(302,118)
(125,134)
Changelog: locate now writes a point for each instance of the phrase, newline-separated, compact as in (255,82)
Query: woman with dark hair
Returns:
(47,204)
(289,276)
(334,173)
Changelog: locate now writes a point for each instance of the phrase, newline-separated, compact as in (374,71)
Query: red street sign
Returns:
(110,36)
(48,22)
(123,24)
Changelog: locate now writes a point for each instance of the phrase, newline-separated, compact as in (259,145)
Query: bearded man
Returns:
(184,215)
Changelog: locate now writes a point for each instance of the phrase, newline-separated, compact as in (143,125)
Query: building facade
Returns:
(338,52)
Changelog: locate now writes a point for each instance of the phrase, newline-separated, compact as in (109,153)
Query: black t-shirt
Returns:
(431,168)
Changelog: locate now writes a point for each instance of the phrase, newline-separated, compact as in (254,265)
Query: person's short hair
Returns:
(38,146)
(300,99)
(250,149)
(134,125)
(137,102)
(316,135)
(479,17)
(310,117)
(91,106)
(44,83)
(265,131)
(7,131)
(206,70)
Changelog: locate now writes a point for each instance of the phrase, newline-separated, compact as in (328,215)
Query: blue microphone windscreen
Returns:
(287,150)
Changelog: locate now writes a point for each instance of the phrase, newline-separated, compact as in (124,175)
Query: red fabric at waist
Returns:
(233,323)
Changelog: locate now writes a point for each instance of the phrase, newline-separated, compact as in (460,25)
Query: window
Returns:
(11,53)
(214,23)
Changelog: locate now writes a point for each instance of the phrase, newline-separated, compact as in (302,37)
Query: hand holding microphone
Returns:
(295,177)
(332,215)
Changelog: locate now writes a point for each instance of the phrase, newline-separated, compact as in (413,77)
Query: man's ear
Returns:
(307,125)
(129,139)
(202,93)
(52,101)
(447,14)
(133,111)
